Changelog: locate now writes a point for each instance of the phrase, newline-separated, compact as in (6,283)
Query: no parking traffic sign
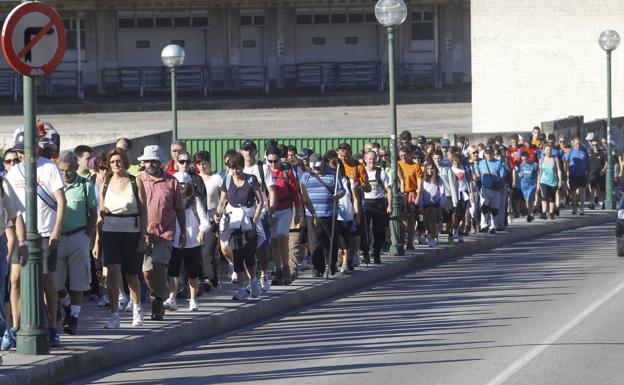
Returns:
(33,39)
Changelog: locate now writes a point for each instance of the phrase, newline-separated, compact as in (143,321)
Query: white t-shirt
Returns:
(213,192)
(268,180)
(377,191)
(49,178)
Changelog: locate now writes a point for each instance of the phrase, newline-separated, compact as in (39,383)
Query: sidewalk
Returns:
(95,349)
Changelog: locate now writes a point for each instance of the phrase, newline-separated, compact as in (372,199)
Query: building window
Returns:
(249,44)
(259,20)
(304,19)
(246,20)
(182,21)
(356,18)
(200,21)
(318,41)
(321,19)
(351,40)
(181,43)
(423,25)
(370,18)
(163,22)
(126,23)
(339,18)
(145,23)
(142,44)
(72,33)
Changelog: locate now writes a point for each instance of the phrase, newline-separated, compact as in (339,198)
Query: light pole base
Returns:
(32,341)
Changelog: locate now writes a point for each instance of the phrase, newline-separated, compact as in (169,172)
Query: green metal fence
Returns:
(218,147)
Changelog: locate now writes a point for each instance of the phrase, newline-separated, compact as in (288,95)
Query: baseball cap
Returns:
(183,177)
(315,160)
(305,153)
(487,150)
(445,143)
(421,140)
(590,136)
(250,144)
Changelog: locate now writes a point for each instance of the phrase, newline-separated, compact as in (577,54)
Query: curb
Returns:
(63,368)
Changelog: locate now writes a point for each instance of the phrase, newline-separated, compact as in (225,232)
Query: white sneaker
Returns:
(234,277)
(241,295)
(113,323)
(265,283)
(193,305)
(104,301)
(122,300)
(129,306)
(171,304)
(137,317)
(255,288)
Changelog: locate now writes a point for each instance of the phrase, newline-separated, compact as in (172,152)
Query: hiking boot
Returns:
(70,325)
(158,309)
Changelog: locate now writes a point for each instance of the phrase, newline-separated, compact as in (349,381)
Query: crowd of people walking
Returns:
(126,234)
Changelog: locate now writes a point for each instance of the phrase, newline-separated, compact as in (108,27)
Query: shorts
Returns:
(529,194)
(578,182)
(597,181)
(49,256)
(549,193)
(461,208)
(244,246)
(159,252)
(490,198)
(343,232)
(192,262)
(121,249)
(73,257)
(281,227)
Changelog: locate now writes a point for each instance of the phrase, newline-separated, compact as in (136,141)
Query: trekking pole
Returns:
(333,227)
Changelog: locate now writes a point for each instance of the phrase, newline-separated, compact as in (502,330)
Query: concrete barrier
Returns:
(163,139)
(85,358)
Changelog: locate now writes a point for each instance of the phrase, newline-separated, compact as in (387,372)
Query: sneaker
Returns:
(278,279)
(460,238)
(581,211)
(255,288)
(483,230)
(158,309)
(137,317)
(104,301)
(492,230)
(9,338)
(129,306)
(54,338)
(241,295)
(265,284)
(234,277)
(122,300)
(366,258)
(70,324)
(113,322)
(544,216)
(171,304)
(193,305)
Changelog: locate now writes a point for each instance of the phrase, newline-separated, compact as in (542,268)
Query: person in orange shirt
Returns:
(535,140)
(410,179)
(355,171)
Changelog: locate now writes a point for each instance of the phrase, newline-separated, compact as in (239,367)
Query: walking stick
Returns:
(333,227)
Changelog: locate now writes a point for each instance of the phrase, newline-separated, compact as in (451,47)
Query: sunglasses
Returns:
(273,161)
(183,161)
(11,161)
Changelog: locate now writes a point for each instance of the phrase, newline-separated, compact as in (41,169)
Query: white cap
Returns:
(183,177)
(590,136)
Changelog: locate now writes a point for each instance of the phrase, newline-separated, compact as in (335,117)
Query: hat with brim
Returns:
(183,177)
(315,160)
(305,153)
(151,152)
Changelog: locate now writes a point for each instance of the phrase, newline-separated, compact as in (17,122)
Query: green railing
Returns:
(218,147)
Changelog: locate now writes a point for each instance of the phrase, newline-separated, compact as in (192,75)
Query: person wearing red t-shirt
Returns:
(287,200)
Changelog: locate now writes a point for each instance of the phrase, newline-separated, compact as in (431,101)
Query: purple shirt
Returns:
(164,199)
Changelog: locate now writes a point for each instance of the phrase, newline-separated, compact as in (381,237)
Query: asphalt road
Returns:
(543,311)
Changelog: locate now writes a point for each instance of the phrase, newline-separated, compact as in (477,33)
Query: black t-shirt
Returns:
(243,196)
(596,161)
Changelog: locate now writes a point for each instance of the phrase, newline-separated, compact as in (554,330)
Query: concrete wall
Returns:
(535,60)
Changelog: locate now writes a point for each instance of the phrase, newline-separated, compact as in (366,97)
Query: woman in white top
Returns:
(196,227)
(121,234)
(213,184)
(377,207)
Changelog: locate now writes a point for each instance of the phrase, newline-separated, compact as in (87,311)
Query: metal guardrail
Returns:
(410,75)
(246,77)
(62,84)
(331,74)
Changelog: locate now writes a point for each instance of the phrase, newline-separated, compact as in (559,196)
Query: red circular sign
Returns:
(34,39)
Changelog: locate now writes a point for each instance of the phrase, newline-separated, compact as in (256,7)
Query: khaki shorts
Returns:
(281,227)
(73,258)
(160,253)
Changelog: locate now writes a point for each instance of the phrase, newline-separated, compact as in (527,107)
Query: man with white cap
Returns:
(164,206)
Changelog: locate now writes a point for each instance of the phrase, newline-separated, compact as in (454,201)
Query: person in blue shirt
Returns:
(576,161)
(491,172)
(527,174)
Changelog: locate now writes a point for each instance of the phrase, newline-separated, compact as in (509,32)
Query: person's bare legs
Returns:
(113,279)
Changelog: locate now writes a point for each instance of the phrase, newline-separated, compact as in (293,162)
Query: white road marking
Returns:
(536,351)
